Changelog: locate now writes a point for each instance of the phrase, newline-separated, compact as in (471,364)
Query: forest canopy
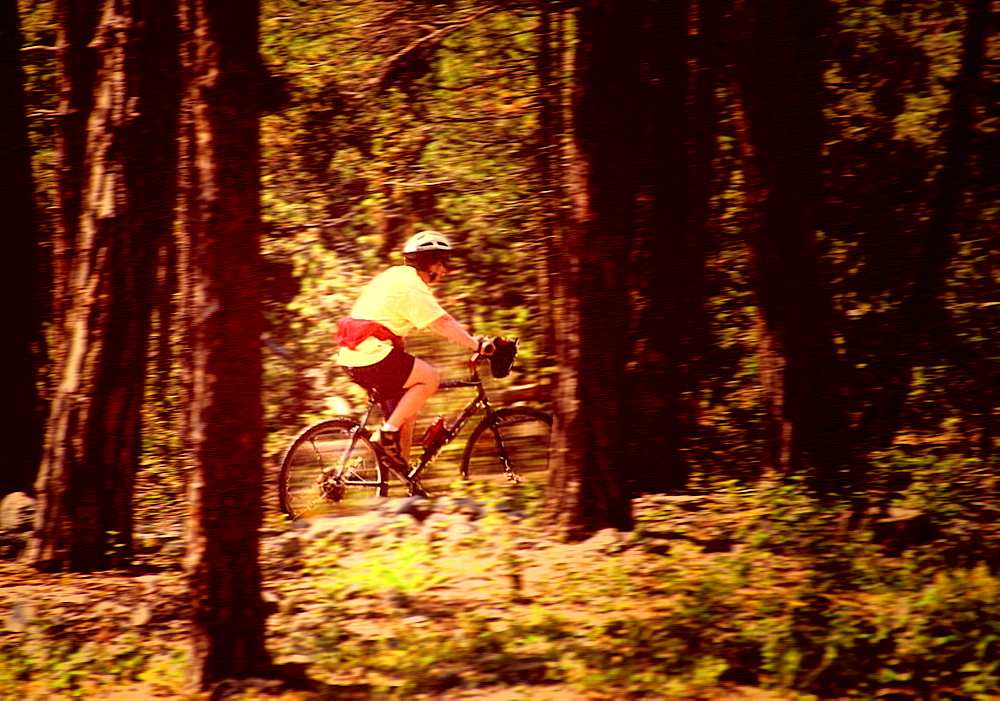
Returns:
(381,118)
(800,205)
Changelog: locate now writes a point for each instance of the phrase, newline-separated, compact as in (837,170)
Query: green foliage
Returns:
(41,89)
(735,584)
(419,663)
(166,671)
(803,598)
(954,497)
(407,568)
(401,118)
(524,500)
(161,479)
(46,661)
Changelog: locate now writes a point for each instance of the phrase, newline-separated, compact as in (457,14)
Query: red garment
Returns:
(351,332)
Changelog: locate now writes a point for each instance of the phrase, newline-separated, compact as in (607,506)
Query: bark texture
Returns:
(222,280)
(780,77)
(93,436)
(588,492)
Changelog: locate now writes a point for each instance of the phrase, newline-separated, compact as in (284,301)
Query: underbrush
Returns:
(43,663)
(733,586)
(729,586)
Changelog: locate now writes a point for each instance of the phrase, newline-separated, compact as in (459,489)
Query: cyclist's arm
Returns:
(446,327)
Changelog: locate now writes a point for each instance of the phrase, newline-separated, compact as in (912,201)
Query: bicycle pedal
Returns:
(396,465)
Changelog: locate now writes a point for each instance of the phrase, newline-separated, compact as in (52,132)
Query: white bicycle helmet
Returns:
(427,241)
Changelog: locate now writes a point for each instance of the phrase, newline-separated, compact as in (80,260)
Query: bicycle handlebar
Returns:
(478,355)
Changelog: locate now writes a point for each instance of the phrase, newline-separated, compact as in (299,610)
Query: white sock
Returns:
(389,428)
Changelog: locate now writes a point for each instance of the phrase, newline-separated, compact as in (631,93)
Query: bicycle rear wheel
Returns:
(330,464)
(511,445)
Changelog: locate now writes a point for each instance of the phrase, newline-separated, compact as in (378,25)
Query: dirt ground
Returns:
(149,602)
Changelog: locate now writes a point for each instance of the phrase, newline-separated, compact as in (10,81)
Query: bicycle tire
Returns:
(319,448)
(525,433)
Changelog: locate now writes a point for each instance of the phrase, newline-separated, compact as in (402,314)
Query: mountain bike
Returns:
(335,462)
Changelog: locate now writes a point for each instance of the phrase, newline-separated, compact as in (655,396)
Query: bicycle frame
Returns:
(479,401)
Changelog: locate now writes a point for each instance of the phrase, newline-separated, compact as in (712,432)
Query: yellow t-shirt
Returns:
(399,300)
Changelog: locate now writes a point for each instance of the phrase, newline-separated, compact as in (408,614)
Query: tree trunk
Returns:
(93,438)
(77,22)
(588,492)
(223,229)
(678,124)
(21,286)
(549,163)
(780,77)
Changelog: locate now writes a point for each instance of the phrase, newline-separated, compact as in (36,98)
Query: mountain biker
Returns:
(397,302)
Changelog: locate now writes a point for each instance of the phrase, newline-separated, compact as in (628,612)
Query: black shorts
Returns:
(386,377)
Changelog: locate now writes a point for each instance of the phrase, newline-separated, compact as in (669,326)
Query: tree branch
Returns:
(379,82)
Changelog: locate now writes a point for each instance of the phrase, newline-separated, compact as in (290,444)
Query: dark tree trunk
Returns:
(588,492)
(659,264)
(780,76)
(77,23)
(93,439)
(223,229)
(21,287)
(679,131)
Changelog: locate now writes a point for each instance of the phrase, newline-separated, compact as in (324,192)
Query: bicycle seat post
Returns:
(363,422)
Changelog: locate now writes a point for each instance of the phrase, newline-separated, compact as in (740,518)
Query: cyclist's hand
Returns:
(486,346)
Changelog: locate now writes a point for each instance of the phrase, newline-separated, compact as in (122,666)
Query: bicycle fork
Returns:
(508,470)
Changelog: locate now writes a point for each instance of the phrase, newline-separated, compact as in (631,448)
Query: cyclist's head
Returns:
(426,249)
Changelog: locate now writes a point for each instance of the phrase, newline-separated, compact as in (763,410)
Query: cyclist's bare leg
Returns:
(420,386)
(406,435)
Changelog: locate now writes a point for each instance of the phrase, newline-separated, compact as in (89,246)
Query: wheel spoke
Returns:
(513,448)
(329,463)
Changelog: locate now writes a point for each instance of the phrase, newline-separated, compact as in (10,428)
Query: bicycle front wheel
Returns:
(511,445)
(330,463)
